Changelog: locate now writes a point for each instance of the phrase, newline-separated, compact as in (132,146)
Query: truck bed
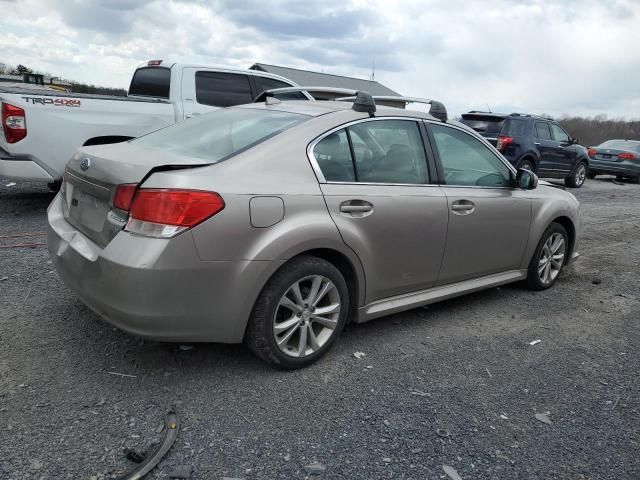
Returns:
(44,92)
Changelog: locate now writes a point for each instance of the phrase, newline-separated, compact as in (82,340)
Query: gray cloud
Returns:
(554,56)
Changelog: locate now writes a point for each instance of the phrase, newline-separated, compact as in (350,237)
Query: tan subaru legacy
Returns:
(278,222)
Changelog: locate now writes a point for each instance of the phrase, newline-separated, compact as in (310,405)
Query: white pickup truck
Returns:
(42,128)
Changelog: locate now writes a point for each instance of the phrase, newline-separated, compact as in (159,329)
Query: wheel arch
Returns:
(568,225)
(531,157)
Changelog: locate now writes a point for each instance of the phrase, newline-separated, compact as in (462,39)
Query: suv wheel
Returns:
(299,314)
(549,258)
(577,178)
(527,165)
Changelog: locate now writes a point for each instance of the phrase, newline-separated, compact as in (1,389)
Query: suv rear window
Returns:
(151,82)
(485,125)
(221,134)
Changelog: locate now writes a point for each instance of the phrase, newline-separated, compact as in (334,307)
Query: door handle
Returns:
(356,208)
(463,207)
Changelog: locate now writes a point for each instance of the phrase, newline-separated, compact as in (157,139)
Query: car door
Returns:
(380,197)
(489,220)
(565,150)
(546,146)
(205,90)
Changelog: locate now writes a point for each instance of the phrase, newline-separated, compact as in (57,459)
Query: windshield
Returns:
(484,125)
(221,134)
(621,145)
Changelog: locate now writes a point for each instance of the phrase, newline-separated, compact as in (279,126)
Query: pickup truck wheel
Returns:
(577,177)
(299,314)
(55,185)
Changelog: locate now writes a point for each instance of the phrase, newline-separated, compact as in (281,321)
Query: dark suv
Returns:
(535,143)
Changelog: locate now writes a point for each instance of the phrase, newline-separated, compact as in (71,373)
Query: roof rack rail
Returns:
(363,101)
(273,91)
(437,110)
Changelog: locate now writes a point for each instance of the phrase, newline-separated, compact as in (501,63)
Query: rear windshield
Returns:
(221,134)
(621,145)
(151,82)
(485,125)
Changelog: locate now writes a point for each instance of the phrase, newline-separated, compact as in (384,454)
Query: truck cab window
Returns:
(221,89)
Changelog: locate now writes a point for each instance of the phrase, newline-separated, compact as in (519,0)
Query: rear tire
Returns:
(549,258)
(527,164)
(286,329)
(577,177)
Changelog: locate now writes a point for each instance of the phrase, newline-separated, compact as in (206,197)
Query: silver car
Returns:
(276,223)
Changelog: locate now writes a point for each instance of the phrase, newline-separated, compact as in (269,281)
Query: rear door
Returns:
(204,90)
(565,150)
(488,220)
(546,146)
(375,178)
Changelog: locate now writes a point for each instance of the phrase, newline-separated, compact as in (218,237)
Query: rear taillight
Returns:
(592,152)
(503,142)
(167,212)
(14,123)
(626,156)
(124,195)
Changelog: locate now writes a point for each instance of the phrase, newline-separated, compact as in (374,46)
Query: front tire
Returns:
(299,314)
(577,177)
(549,258)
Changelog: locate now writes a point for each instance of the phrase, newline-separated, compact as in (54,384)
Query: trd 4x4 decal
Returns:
(58,102)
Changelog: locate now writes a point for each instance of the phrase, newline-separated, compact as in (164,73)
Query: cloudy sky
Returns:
(543,56)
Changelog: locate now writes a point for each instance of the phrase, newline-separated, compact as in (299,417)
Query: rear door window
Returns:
(385,151)
(221,89)
(151,82)
(334,157)
(542,131)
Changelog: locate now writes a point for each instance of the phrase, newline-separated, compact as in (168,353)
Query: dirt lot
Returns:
(456,384)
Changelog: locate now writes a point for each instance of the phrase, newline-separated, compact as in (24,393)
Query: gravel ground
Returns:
(456,384)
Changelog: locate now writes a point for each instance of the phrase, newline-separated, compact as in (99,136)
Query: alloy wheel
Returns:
(306,316)
(581,174)
(551,258)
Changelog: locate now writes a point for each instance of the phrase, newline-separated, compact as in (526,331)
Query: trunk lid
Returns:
(609,154)
(92,176)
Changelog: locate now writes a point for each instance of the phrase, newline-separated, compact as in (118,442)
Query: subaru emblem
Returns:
(85,163)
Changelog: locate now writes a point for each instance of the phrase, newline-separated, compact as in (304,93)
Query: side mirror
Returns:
(526,179)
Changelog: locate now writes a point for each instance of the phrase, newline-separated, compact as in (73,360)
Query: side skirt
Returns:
(407,301)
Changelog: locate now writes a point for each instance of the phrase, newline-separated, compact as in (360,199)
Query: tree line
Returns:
(595,130)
